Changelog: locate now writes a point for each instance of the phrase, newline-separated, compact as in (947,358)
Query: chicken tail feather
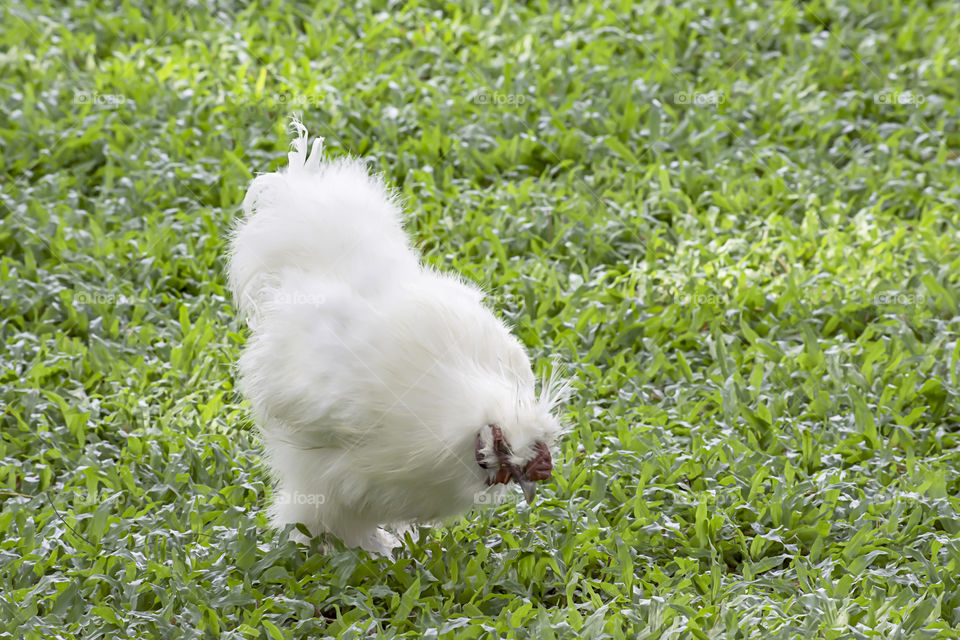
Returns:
(327,218)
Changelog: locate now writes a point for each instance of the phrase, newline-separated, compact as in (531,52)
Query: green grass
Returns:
(736,223)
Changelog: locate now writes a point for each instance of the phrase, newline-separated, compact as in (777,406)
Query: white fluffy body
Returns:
(369,374)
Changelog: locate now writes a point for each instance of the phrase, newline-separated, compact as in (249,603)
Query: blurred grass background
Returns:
(737,223)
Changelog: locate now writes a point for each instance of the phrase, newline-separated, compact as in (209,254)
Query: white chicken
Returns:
(385,392)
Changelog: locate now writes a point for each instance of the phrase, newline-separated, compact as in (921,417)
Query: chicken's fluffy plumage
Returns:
(374,380)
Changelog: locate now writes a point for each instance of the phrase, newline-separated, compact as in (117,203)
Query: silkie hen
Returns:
(385,392)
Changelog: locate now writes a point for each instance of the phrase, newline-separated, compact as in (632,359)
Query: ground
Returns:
(736,224)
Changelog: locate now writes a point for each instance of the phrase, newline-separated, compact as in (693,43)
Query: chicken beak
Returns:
(529,489)
(529,486)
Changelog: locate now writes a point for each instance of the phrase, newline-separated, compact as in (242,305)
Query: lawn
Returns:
(736,224)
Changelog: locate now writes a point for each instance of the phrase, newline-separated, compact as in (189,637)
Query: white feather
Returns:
(369,374)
